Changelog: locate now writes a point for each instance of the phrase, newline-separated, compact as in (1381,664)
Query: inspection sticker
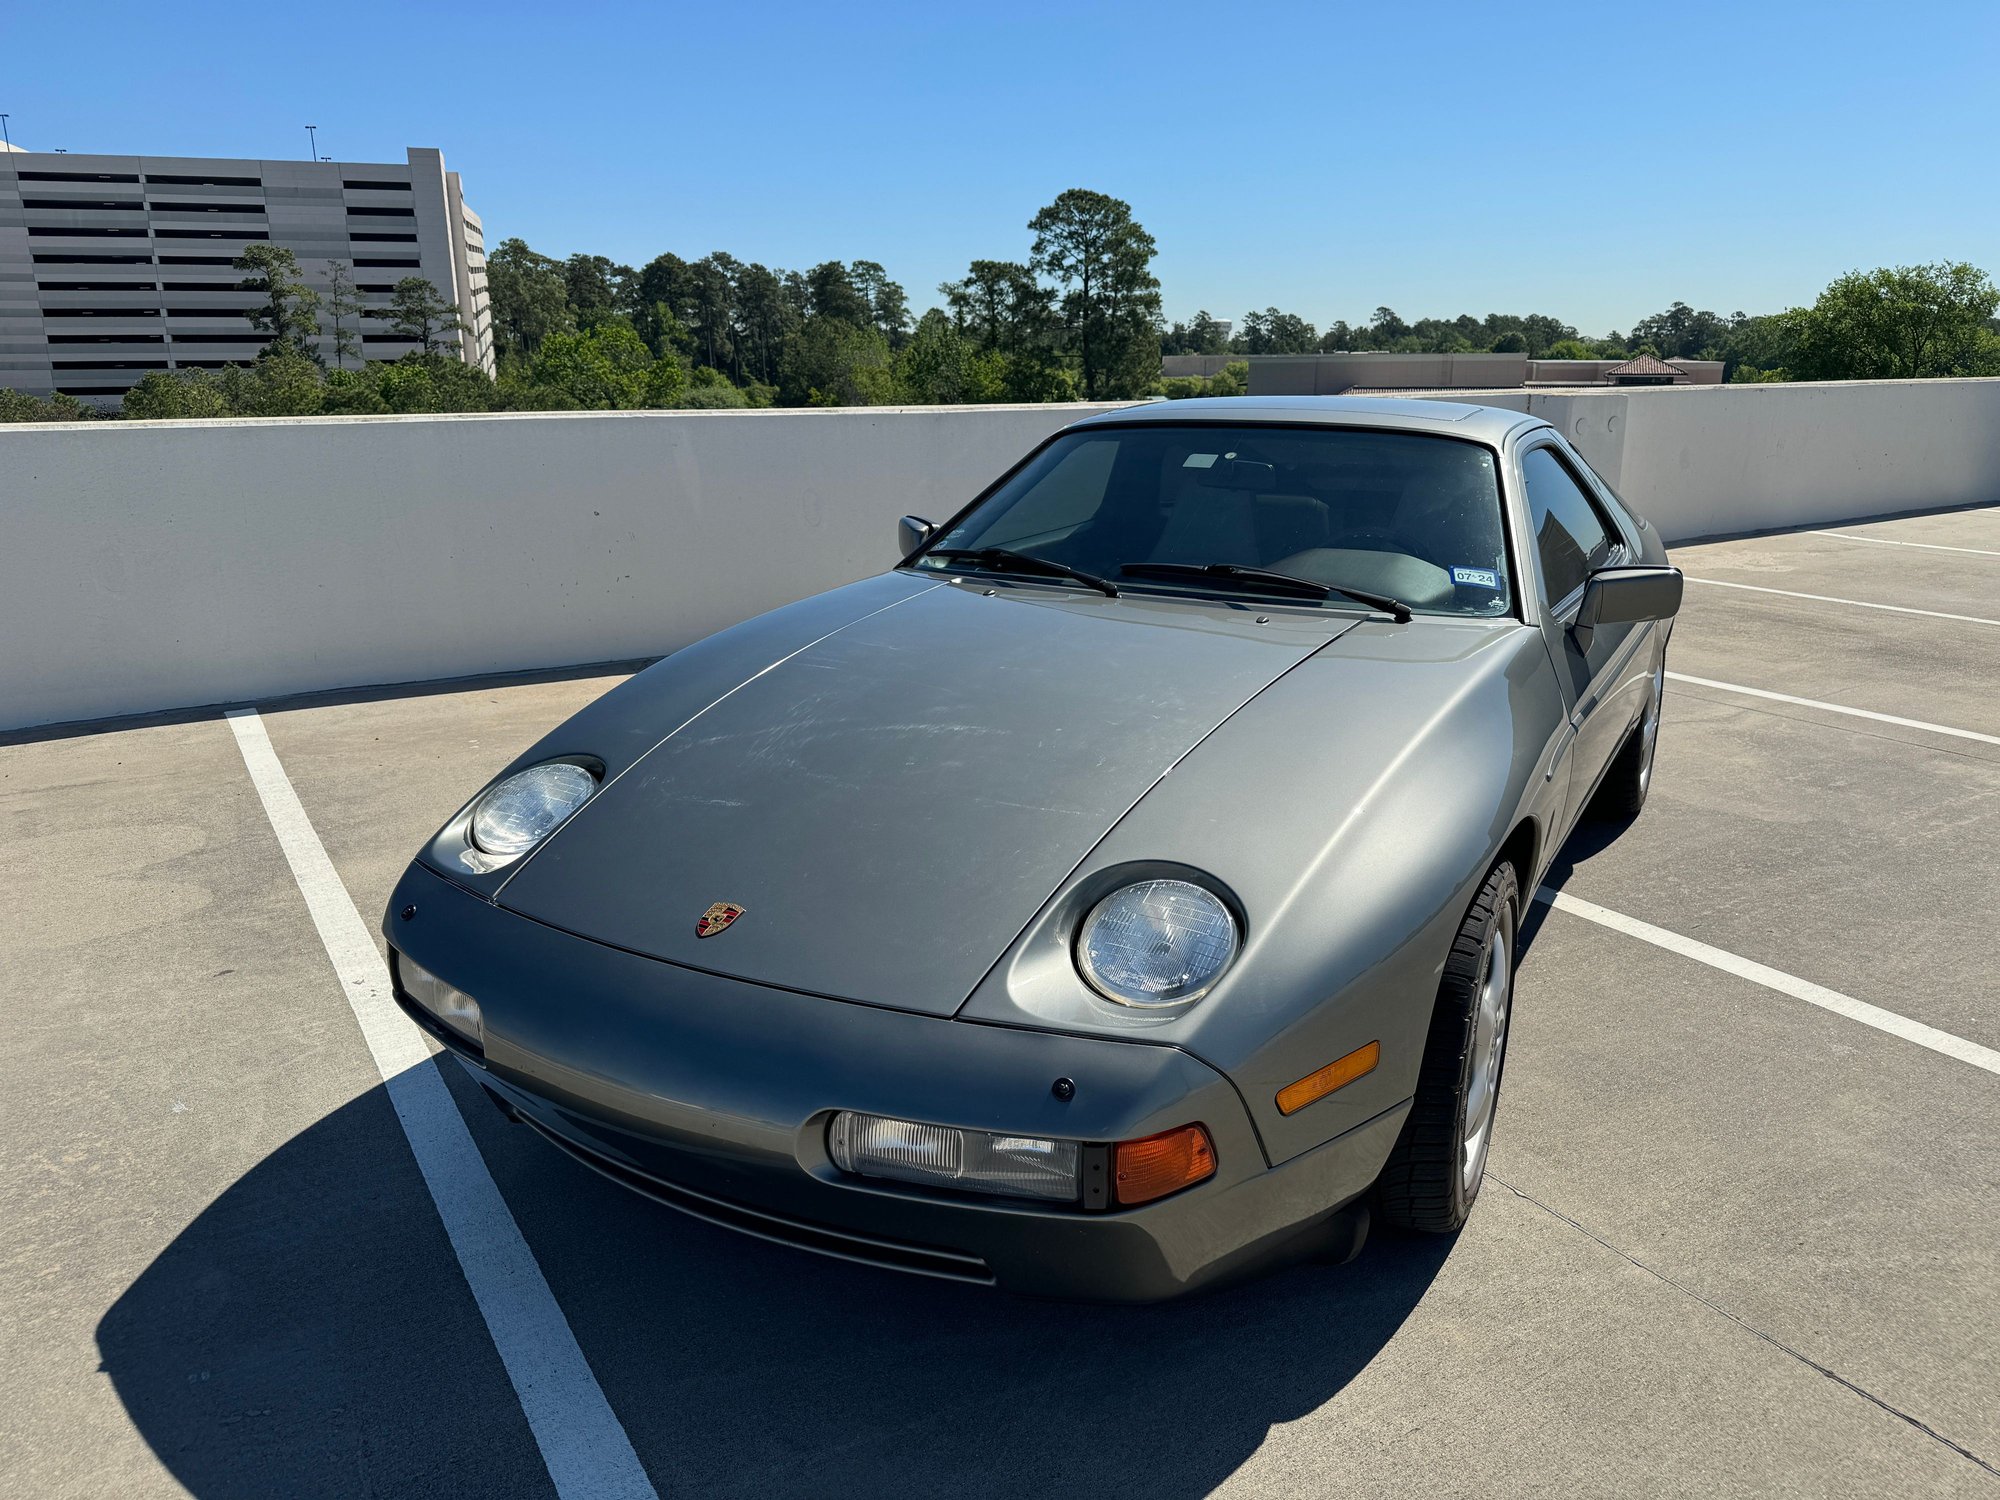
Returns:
(1484,578)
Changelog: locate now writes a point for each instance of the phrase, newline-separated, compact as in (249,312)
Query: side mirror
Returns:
(1625,596)
(913,531)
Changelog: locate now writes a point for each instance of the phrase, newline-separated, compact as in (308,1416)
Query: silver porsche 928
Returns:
(1119,893)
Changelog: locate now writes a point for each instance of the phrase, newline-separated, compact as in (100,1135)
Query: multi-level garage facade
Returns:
(113,266)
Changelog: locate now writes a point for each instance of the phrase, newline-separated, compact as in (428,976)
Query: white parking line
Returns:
(1883,541)
(1836,708)
(585,1448)
(1942,1042)
(1898,609)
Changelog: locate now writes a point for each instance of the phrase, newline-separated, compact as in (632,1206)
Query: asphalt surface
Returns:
(1732,1243)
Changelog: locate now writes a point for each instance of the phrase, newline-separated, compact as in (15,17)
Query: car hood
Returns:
(890,805)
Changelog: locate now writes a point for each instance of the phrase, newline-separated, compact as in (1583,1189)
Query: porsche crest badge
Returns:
(716,918)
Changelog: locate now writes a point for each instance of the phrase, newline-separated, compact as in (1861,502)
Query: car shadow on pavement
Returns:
(1591,837)
(310,1334)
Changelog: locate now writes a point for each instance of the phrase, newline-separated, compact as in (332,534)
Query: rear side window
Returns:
(1569,534)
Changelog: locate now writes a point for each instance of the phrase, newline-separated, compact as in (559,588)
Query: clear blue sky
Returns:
(1595,161)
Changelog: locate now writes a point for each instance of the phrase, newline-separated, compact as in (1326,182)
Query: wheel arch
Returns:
(1522,848)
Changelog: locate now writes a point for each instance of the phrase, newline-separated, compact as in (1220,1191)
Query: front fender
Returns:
(1351,811)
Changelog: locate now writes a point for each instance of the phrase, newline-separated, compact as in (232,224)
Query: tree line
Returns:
(1078,317)
(1897,323)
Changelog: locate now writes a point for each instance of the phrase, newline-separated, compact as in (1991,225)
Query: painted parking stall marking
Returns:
(588,1454)
(1883,541)
(1894,609)
(1835,708)
(1941,1042)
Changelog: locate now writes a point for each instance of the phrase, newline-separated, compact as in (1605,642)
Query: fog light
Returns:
(973,1161)
(452,1007)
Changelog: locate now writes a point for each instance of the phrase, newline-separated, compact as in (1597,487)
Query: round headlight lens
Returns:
(1156,943)
(518,813)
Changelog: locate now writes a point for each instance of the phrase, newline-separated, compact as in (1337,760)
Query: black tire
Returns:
(1433,1174)
(1623,791)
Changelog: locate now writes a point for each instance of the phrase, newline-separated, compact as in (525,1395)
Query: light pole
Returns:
(313,140)
(3,133)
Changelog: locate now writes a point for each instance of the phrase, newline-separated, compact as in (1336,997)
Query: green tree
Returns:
(665,292)
(724,397)
(418,312)
(888,307)
(940,366)
(1202,336)
(160,396)
(528,296)
(1004,310)
(434,383)
(1233,379)
(1683,333)
(19,406)
(665,381)
(281,383)
(343,306)
(711,308)
(987,305)
(1568,349)
(1100,258)
(1275,332)
(593,285)
(832,362)
(606,368)
(1339,339)
(1898,323)
(1760,348)
(764,317)
(831,293)
(710,390)
(289,312)
(1543,331)
(1512,342)
(352,393)
(1384,328)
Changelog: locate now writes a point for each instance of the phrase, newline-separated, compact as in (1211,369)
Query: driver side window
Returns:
(1570,535)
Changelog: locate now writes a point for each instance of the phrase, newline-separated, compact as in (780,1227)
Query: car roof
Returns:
(1488,424)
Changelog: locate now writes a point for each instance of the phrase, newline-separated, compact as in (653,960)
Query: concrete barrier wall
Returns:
(155,565)
(1712,460)
(171,564)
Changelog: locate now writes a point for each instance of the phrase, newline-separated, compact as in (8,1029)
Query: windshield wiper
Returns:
(1291,583)
(1005,559)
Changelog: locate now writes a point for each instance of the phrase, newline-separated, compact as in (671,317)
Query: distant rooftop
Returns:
(1646,370)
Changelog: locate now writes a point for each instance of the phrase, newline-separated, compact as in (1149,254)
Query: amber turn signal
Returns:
(1294,1097)
(1162,1164)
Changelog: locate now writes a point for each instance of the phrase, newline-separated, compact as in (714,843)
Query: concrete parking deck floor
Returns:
(1734,1242)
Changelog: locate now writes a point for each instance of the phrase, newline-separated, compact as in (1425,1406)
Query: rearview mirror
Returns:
(911,533)
(1625,596)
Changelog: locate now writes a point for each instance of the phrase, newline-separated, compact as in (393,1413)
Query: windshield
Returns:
(1402,515)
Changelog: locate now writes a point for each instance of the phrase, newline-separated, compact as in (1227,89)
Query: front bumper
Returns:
(713,1095)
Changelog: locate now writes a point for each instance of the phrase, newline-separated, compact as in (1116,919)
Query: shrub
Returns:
(352,393)
(184,394)
(724,397)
